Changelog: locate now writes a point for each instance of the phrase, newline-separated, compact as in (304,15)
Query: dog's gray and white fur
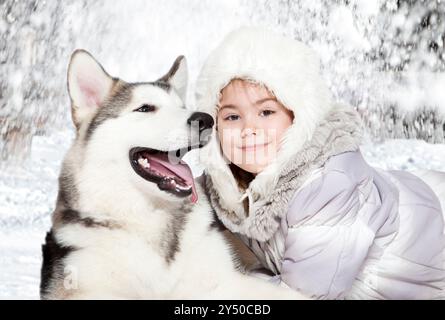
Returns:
(116,235)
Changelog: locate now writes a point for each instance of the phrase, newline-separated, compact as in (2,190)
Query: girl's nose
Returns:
(248,131)
(249,127)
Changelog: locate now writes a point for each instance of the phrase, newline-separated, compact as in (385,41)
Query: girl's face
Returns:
(250,124)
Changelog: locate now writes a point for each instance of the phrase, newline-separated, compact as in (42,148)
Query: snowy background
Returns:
(385,58)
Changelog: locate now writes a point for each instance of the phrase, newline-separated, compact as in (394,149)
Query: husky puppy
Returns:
(130,222)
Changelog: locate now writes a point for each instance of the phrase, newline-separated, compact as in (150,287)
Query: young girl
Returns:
(284,172)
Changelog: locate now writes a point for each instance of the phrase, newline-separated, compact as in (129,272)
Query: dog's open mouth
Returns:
(166,169)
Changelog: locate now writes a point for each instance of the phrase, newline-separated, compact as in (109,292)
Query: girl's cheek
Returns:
(229,133)
(229,140)
(229,151)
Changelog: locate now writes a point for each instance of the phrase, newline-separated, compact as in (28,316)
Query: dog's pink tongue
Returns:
(182,170)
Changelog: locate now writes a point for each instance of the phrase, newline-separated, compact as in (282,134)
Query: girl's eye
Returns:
(146,108)
(267,112)
(231,117)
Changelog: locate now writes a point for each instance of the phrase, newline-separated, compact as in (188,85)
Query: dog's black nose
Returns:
(205,120)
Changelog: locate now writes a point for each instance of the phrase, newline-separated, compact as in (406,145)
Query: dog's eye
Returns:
(146,108)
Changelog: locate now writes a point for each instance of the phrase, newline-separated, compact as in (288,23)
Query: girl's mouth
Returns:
(253,147)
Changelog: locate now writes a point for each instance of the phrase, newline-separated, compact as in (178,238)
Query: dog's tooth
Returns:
(186,188)
(144,162)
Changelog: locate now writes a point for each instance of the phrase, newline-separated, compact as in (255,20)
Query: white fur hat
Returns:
(291,71)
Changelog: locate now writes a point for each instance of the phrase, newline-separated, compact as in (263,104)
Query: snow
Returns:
(138,42)
(27,196)
(419,89)
(341,23)
(367,8)
(409,155)
(28,193)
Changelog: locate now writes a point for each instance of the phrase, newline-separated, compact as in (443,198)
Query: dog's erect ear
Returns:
(88,85)
(178,76)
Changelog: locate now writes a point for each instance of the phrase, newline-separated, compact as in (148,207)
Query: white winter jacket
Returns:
(319,217)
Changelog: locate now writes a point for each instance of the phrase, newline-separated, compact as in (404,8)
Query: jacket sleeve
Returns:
(328,238)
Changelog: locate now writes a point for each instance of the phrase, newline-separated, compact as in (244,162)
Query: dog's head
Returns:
(136,132)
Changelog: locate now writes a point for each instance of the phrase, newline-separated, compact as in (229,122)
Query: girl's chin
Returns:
(251,162)
(252,168)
